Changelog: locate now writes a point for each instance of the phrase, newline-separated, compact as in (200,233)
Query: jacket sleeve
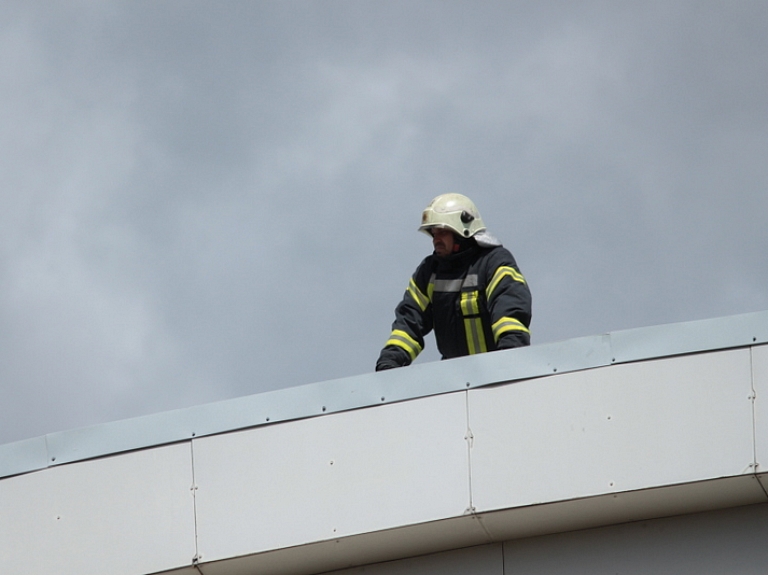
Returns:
(509,301)
(413,321)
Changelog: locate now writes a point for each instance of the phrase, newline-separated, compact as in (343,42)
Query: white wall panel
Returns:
(129,514)
(611,429)
(332,476)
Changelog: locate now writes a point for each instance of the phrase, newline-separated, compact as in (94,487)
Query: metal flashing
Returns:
(370,389)
(23,456)
(690,337)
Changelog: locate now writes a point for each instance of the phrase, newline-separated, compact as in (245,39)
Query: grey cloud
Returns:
(210,200)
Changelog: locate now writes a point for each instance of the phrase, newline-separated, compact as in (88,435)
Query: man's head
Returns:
(443,240)
(450,219)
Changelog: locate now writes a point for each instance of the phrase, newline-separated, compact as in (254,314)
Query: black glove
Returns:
(513,339)
(383,364)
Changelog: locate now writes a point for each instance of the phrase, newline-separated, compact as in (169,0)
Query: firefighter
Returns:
(470,290)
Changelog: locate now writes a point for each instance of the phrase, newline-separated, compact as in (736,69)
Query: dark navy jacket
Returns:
(476,301)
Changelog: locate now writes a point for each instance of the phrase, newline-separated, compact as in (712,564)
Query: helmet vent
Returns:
(466,217)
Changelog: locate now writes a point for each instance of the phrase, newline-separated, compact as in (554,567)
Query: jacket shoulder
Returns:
(494,257)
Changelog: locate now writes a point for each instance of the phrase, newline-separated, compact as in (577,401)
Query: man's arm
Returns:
(509,301)
(413,320)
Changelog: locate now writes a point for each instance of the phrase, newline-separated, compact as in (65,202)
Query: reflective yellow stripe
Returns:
(405,341)
(506,324)
(475,335)
(469,304)
(501,273)
(421,300)
(473,326)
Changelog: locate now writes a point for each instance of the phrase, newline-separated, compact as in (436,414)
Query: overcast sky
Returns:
(206,200)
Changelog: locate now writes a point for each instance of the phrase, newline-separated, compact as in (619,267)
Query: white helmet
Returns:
(452,211)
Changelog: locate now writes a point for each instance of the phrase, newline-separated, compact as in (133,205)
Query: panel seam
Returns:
(753,398)
(469,437)
(753,401)
(193,489)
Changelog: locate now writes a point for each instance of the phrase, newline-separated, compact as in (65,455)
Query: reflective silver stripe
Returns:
(454,285)
(470,281)
(448,285)
(475,336)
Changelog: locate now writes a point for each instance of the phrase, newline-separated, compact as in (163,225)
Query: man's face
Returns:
(442,240)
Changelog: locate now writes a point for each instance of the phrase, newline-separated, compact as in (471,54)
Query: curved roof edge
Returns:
(496,527)
(370,389)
